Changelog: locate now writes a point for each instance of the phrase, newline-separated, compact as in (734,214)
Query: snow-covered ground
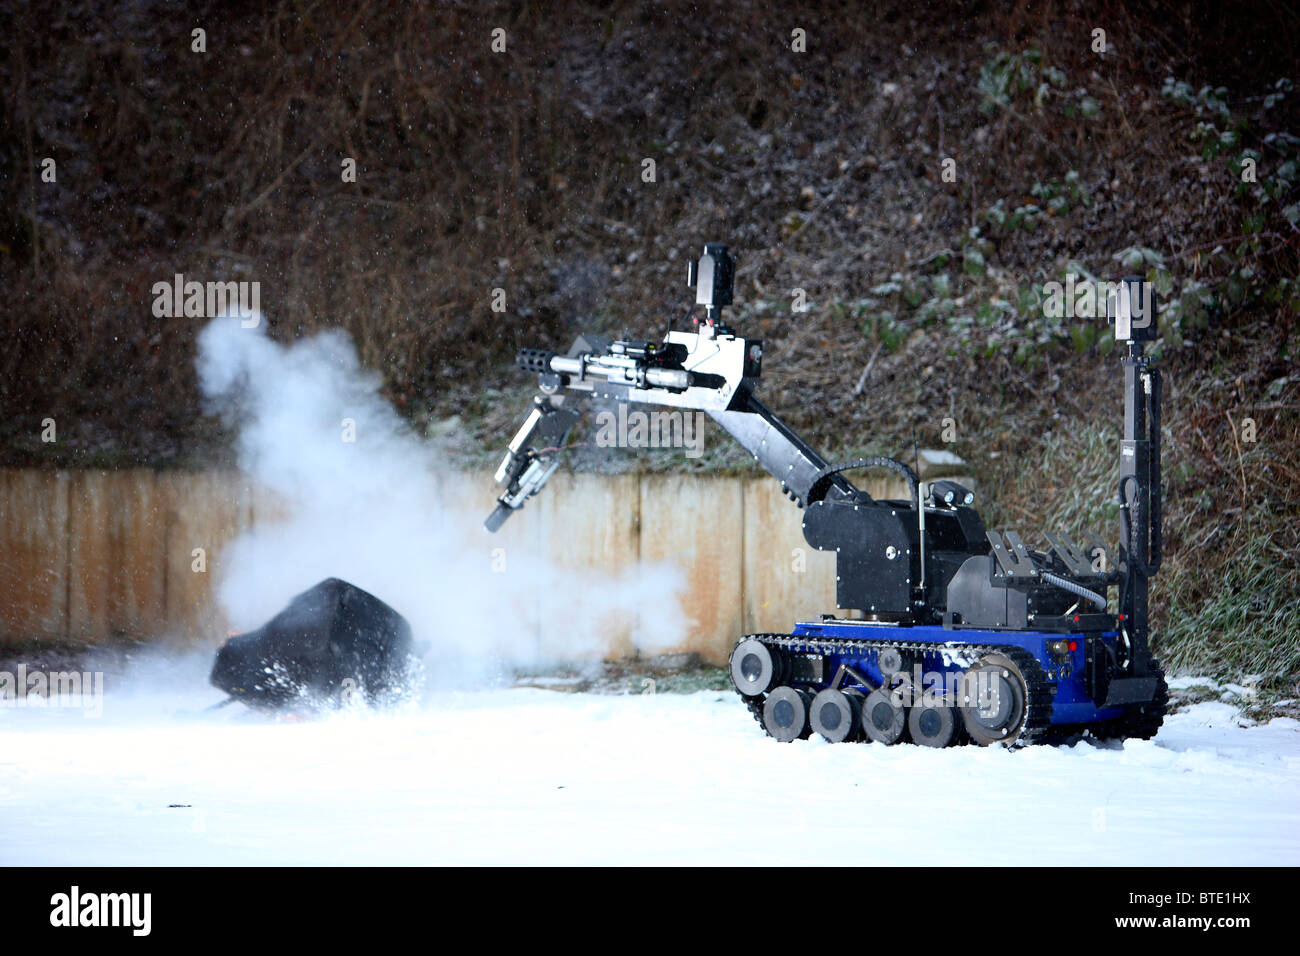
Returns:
(537,776)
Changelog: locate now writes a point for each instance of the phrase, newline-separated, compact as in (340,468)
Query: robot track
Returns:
(1027,708)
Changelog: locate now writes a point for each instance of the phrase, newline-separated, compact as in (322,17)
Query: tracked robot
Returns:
(948,632)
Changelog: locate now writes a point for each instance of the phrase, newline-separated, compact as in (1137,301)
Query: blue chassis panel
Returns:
(1072,705)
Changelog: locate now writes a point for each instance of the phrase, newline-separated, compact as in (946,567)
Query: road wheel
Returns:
(754,667)
(883,718)
(932,726)
(785,714)
(836,716)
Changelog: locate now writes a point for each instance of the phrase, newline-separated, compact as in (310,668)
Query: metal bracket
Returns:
(1075,561)
(1095,546)
(846,670)
(1012,558)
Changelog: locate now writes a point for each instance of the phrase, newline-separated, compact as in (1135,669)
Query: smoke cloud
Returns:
(384,512)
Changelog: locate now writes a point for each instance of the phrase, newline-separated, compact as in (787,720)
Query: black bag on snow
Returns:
(306,655)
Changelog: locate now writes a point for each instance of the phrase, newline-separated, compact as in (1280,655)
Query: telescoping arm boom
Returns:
(713,370)
(1132,311)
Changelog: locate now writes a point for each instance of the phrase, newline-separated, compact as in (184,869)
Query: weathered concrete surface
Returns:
(785,579)
(117,572)
(695,523)
(205,510)
(592,523)
(93,556)
(34,553)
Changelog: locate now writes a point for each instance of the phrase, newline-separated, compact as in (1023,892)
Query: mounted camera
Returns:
(711,278)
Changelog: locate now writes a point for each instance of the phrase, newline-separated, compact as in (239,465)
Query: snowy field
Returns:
(537,776)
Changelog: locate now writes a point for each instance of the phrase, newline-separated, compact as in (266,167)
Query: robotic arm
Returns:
(713,370)
(531,457)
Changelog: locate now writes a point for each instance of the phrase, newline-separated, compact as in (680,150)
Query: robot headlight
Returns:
(951,494)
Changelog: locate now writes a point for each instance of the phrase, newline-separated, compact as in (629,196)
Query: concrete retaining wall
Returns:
(94,556)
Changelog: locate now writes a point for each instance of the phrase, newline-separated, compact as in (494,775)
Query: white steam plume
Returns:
(382,513)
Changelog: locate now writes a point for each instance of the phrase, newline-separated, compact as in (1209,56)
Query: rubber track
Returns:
(1038,718)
